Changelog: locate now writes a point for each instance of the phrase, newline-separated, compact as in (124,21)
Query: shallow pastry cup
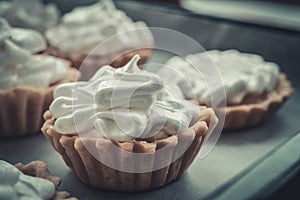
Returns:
(96,174)
(93,62)
(254,110)
(40,169)
(22,107)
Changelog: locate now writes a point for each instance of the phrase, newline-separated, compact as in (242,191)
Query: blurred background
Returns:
(277,13)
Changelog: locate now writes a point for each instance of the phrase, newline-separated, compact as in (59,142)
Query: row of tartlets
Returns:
(120,105)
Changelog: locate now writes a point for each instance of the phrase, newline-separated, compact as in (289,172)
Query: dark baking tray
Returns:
(245,164)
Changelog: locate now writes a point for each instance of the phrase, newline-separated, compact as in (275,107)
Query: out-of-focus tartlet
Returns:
(85,27)
(32,14)
(27,81)
(124,130)
(255,89)
(30,181)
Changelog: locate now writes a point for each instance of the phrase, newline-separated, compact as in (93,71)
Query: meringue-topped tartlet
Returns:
(85,27)
(32,14)
(123,124)
(255,88)
(30,181)
(26,80)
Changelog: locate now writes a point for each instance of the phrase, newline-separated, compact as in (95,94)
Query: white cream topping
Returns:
(242,74)
(17,64)
(87,26)
(121,104)
(14,185)
(31,14)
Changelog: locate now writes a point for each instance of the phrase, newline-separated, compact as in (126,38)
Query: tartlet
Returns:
(85,27)
(88,146)
(26,105)
(255,110)
(254,89)
(30,181)
(27,81)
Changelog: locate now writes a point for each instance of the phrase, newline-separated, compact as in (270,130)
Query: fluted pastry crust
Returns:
(94,173)
(22,107)
(252,111)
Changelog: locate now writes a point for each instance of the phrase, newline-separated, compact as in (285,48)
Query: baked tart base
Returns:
(96,174)
(254,110)
(22,107)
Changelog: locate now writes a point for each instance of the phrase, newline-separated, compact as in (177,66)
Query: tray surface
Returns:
(237,153)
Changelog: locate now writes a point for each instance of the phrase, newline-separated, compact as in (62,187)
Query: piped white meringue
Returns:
(121,104)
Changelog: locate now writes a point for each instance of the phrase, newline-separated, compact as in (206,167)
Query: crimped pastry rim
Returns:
(249,115)
(26,105)
(81,160)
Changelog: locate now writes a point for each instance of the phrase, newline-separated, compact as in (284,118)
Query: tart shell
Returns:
(96,174)
(252,114)
(22,107)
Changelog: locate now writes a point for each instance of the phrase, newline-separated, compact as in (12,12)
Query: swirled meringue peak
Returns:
(85,27)
(242,74)
(31,14)
(121,104)
(15,185)
(17,64)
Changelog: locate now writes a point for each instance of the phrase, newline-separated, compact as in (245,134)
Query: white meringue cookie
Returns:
(122,104)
